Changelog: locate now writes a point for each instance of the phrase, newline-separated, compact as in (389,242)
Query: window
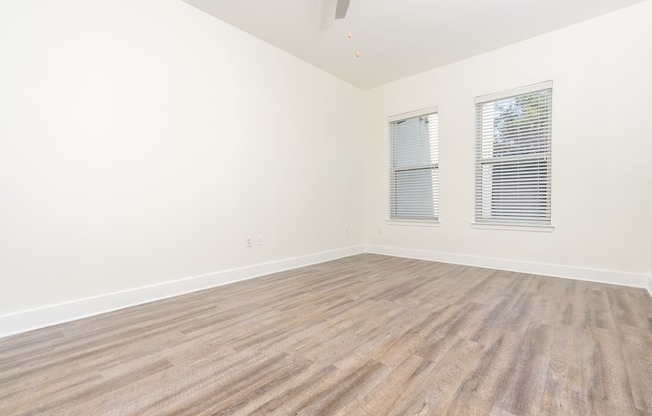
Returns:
(513,156)
(414,166)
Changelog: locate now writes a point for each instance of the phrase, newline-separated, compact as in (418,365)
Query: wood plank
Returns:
(363,335)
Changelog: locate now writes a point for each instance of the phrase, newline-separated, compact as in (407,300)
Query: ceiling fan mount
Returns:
(333,9)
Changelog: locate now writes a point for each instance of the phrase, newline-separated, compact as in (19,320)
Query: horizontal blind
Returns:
(513,158)
(414,167)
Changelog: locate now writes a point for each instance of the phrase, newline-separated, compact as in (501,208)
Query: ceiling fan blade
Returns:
(342,7)
(328,8)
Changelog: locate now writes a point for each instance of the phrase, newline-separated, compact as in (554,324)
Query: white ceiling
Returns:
(398,38)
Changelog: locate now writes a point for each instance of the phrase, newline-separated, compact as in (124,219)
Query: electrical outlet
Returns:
(346,230)
(259,240)
(248,242)
(380,230)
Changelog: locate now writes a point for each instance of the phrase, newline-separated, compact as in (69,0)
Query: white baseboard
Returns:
(56,314)
(568,272)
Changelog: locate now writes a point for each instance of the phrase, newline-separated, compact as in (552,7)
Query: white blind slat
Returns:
(414,165)
(513,156)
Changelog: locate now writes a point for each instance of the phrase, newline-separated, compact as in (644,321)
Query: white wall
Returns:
(602,147)
(141,141)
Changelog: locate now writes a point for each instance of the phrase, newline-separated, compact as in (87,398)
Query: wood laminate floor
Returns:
(365,335)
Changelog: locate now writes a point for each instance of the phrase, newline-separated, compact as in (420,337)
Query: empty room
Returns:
(326,207)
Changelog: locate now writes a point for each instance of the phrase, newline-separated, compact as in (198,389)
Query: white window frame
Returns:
(514,223)
(392,218)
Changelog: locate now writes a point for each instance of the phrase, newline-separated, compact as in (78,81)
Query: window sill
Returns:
(513,227)
(413,223)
